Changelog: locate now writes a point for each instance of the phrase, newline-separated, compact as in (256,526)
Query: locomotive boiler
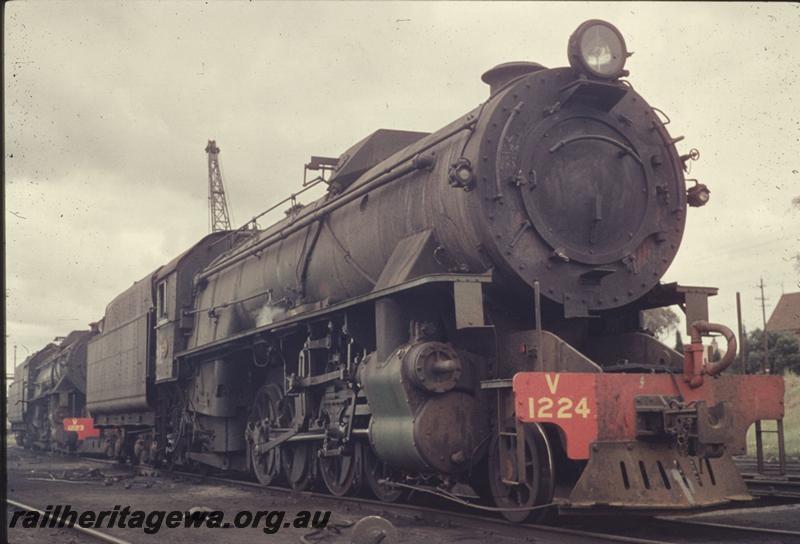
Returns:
(460,307)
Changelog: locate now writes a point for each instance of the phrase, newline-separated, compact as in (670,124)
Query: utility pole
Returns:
(218,216)
(762,298)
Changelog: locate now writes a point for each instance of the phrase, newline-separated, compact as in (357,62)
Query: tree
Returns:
(784,351)
(714,355)
(660,321)
(742,351)
(678,341)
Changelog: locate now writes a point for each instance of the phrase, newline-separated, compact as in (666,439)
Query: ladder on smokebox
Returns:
(778,430)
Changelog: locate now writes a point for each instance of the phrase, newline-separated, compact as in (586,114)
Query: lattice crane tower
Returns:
(218,216)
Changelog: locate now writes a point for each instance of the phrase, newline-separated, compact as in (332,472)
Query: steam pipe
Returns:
(700,327)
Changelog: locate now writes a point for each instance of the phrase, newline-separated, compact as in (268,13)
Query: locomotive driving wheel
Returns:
(519,495)
(297,458)
(267,413)
(298,464)
(375,474)
(342,474)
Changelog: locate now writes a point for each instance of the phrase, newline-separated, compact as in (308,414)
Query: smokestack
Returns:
(501,74)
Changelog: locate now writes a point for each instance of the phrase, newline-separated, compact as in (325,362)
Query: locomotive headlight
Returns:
(697,195)
(597,49)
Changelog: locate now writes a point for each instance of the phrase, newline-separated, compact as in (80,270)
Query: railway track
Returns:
(747,464)
(657,530)
(677,530)
(716,528)
(770,482)
(436,515)
(786,487)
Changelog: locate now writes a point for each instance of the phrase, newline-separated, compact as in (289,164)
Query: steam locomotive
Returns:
(49,386)
(459,308)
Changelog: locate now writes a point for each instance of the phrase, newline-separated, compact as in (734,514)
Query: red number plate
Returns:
(84,426)
(566,399)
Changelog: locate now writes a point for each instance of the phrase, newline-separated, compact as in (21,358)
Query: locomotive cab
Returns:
(143,328)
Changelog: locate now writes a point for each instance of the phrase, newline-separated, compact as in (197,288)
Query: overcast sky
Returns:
(109,106)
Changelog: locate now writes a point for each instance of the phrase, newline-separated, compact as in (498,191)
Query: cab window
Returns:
(161,300)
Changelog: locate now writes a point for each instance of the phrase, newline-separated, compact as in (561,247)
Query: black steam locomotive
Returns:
(461,307)
(49,386)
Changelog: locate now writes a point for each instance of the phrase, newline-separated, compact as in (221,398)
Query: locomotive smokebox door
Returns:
(584,190)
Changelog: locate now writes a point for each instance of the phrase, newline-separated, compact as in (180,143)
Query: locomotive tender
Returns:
(461,307)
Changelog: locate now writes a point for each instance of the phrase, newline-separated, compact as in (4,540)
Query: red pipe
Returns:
(693,367)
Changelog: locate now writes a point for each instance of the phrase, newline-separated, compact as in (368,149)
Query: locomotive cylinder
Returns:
(424,413)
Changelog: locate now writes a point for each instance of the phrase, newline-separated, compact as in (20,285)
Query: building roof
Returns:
(786,315)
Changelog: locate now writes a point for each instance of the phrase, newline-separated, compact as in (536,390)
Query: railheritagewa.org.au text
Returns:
(151,522)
